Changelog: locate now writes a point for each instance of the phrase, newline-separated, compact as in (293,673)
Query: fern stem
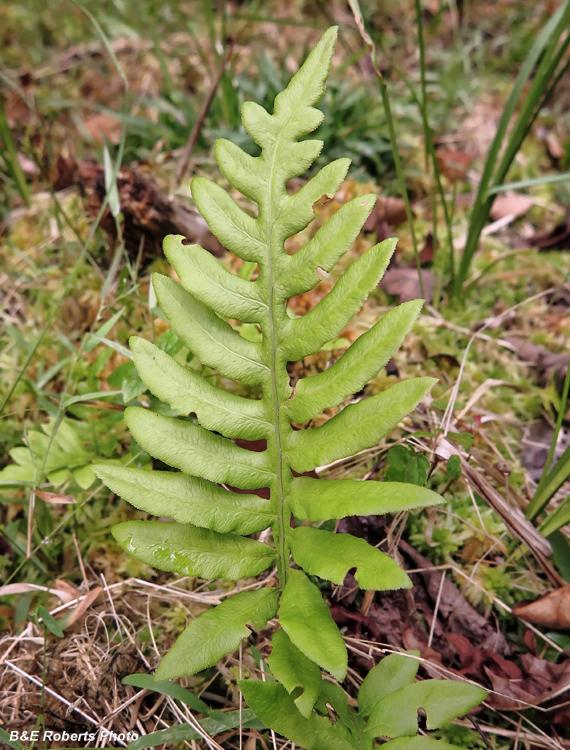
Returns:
(279,529)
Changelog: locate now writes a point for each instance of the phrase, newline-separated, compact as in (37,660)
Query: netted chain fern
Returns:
(209,535)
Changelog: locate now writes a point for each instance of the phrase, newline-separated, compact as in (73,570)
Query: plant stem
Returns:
(355,7)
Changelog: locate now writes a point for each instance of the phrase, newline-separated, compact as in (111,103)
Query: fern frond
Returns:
(211,523)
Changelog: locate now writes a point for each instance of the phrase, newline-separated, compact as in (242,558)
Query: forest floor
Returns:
(105,120)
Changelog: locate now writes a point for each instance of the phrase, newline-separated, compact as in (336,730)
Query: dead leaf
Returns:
(27,165)
(84,604)
(551,611)
(426,253)
(510,204)
(555,239)
(103,126)
(55,499)
(553,146)
(387,212)
(453,164)
(26,588)
(547,363)
(454,607)
(71,590)
(535,444)
(404,283)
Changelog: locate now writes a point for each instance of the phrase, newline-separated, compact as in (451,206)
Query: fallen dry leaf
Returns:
(388,212)
(426,253)
(55,499)
(551,611)
(84,604)
(26,588)
(103,126)
(68,587)
(547,363)
(404,283)
(555,239)
(510,204)
(453,164)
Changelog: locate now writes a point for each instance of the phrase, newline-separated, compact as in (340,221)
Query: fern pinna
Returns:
(210,533)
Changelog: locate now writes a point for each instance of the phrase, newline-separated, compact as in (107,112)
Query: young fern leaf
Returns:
(209,535)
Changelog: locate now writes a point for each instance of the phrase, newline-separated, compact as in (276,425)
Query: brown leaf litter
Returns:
(149,213)
(83,671)
(551,611)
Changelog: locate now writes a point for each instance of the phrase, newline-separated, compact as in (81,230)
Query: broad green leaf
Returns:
(332,314)
(211,726)
(442,700)
(321,499)
(274,706)
(330,556)
(362,361)
(241,170)
(394,672)
(328,245)
(561,554)
(335,695)
(210,338)
(293,670)
(147,682)
(186,392)
(50,622)
(193,551)
(356,427)
(418,743)
(207,280)
(298,211)
(454,467)
(236,230)
(211,456)
(294,115)
(405,465)
(307,620)
(218,632)
(188,499)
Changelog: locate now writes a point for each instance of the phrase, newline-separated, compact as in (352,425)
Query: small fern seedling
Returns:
(211,533)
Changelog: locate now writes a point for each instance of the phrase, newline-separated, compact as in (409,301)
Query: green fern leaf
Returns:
(396,715)
(316,635)
(394,672)
(321,500)
(275,707)
(188,499)
(330,556)
(193,551)
(418,743)
(217,633)
(294,670)
(211,522)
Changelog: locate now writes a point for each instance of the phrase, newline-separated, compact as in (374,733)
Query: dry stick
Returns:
(189,148)
(436,610)
(80,559)
(480,732)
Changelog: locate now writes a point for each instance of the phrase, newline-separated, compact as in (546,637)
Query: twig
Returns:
(480,732)
(194,135)
(436,610)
